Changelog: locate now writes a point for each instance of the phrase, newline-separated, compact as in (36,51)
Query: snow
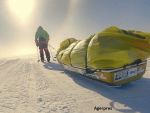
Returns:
(27,86)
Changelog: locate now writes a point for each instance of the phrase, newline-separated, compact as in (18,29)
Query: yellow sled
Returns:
(113,77)
(114,56)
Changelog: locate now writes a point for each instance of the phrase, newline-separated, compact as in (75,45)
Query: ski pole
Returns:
(51,54)
(50,46)
(38,55)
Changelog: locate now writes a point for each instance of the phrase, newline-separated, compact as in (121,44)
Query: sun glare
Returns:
(22,8)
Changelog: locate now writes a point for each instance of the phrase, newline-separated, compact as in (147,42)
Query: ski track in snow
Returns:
(30,87)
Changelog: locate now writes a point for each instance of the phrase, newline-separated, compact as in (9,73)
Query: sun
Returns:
(22,8)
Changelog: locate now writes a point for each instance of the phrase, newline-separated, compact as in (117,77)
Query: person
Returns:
(41,40)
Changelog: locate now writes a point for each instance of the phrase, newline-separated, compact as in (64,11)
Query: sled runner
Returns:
(113,77)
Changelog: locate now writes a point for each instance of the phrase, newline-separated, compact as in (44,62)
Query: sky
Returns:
(63,19)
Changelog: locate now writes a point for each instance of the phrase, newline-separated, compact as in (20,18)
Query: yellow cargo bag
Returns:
(65,59)
(114,48)
(79,54)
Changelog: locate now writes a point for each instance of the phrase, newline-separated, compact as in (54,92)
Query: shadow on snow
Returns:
(135,95)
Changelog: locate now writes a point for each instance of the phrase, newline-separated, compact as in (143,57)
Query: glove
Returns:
(37,44)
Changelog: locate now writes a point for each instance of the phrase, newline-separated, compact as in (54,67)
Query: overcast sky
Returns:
(64,19)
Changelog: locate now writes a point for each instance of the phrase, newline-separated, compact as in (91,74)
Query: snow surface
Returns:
(27,86)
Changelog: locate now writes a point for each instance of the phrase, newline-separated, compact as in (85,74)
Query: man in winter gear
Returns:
(41,40)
